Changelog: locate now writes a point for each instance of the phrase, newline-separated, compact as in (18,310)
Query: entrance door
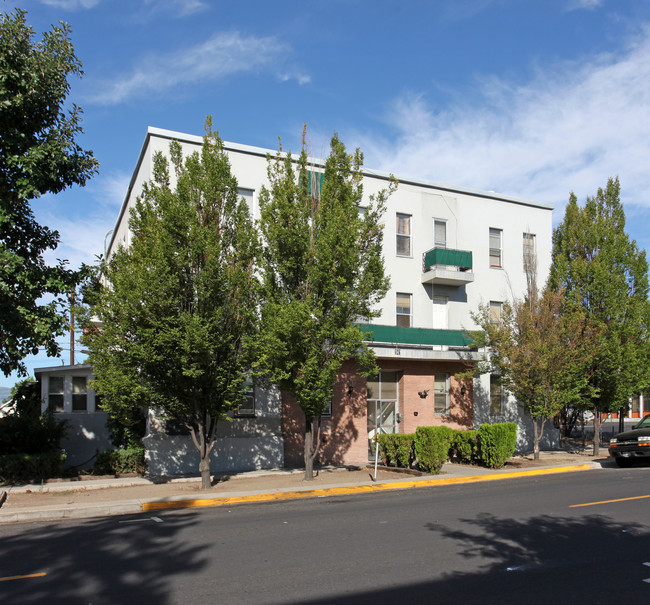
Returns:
(382,407)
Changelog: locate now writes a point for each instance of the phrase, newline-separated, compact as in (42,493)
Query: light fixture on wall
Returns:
(350,388)
(423,394)
(462,390)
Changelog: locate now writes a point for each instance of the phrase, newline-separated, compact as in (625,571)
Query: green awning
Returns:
(416,336)
(445,256)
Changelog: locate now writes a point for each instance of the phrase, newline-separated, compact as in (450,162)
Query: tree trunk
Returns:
(311,448)
(203,438)
(596,431)
(204,469)
(536,439)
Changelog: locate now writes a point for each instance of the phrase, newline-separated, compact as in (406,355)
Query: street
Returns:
(579,537)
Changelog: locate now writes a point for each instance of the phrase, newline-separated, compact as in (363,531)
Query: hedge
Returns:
(122,461)
(432,447)
(497,443)
(464,447)
(30,467)
(397,449)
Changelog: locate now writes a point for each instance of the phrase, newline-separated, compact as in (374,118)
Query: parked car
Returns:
(630,446)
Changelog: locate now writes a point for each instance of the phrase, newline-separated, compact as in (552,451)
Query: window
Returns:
(495,247)
(403,309)
(327,412)
(439,233)
(495,311)
(403,235)
(529,252)
(55,393)
(441,394)
(247,407)
(79,394)
(496,394)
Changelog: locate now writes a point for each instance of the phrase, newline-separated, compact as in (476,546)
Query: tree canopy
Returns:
(323,270)
(38,155)
(603,273)
(180,304)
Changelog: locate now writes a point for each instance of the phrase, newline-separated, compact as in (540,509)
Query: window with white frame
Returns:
(403,234)
(247,407)
(496,308)
(439,233)
(529,252)
(496,235)
(403,309)
(55,395)
(441,394)
(496,394)
(79,394)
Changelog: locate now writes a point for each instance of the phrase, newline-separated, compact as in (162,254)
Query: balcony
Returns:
(446,267)
(416,336)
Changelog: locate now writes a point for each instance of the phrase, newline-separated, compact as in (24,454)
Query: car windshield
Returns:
(644,424)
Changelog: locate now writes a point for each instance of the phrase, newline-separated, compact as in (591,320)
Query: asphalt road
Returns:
(513,541)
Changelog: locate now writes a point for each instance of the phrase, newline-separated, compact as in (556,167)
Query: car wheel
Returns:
(624,462)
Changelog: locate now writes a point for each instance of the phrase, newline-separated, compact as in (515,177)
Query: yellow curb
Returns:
(354,489)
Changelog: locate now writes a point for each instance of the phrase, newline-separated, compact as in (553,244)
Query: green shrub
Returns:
(397,449)
(464,447)
(119,462)
(496,443)
(432,447)
(30,467)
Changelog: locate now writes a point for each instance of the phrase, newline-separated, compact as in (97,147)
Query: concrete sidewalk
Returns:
(131,495)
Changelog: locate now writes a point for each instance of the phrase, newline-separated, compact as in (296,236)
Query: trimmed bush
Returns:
(432,447)
(30,467)
(119,462)
(397,449)
(464,447)
(496,443)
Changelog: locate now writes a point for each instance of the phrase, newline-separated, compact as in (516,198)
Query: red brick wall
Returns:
(345,434)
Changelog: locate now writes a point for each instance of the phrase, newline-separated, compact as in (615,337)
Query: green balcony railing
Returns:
(446,256)
(416,336)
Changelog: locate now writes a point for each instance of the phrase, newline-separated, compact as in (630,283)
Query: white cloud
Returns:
(71,5)
(584,4)
(184,7)
(221,55)
(569,128)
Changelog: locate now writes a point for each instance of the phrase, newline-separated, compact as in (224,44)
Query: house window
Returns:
(495,247)
(495,311)
(529,252)
(439,233)
(496,394)
(328,409)
(79,394)
(441,394)
(247,407)
(403,309)
(55,393)
(403,235)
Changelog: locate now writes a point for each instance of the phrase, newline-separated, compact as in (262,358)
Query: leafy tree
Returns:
(38,155)
(541,352)
(181,302)
(323,270)
(603,273)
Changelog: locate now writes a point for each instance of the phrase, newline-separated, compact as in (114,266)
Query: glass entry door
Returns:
(382,407)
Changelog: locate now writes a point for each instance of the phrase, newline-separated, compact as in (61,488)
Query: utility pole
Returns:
(71,329)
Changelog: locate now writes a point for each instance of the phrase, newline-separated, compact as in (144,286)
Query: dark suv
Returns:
(629,446)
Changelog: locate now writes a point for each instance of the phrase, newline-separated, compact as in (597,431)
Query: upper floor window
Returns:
(439,233)
(403,309)
(79,394)
(495,311)
(495,247)
(529,251)
(441,394)
(403,234)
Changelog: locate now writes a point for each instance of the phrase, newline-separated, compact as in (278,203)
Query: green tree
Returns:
(541,352)
(38,155)
(181,303)
(323,270)
(602,272)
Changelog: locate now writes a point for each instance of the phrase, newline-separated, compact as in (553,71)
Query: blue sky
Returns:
(534,98)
